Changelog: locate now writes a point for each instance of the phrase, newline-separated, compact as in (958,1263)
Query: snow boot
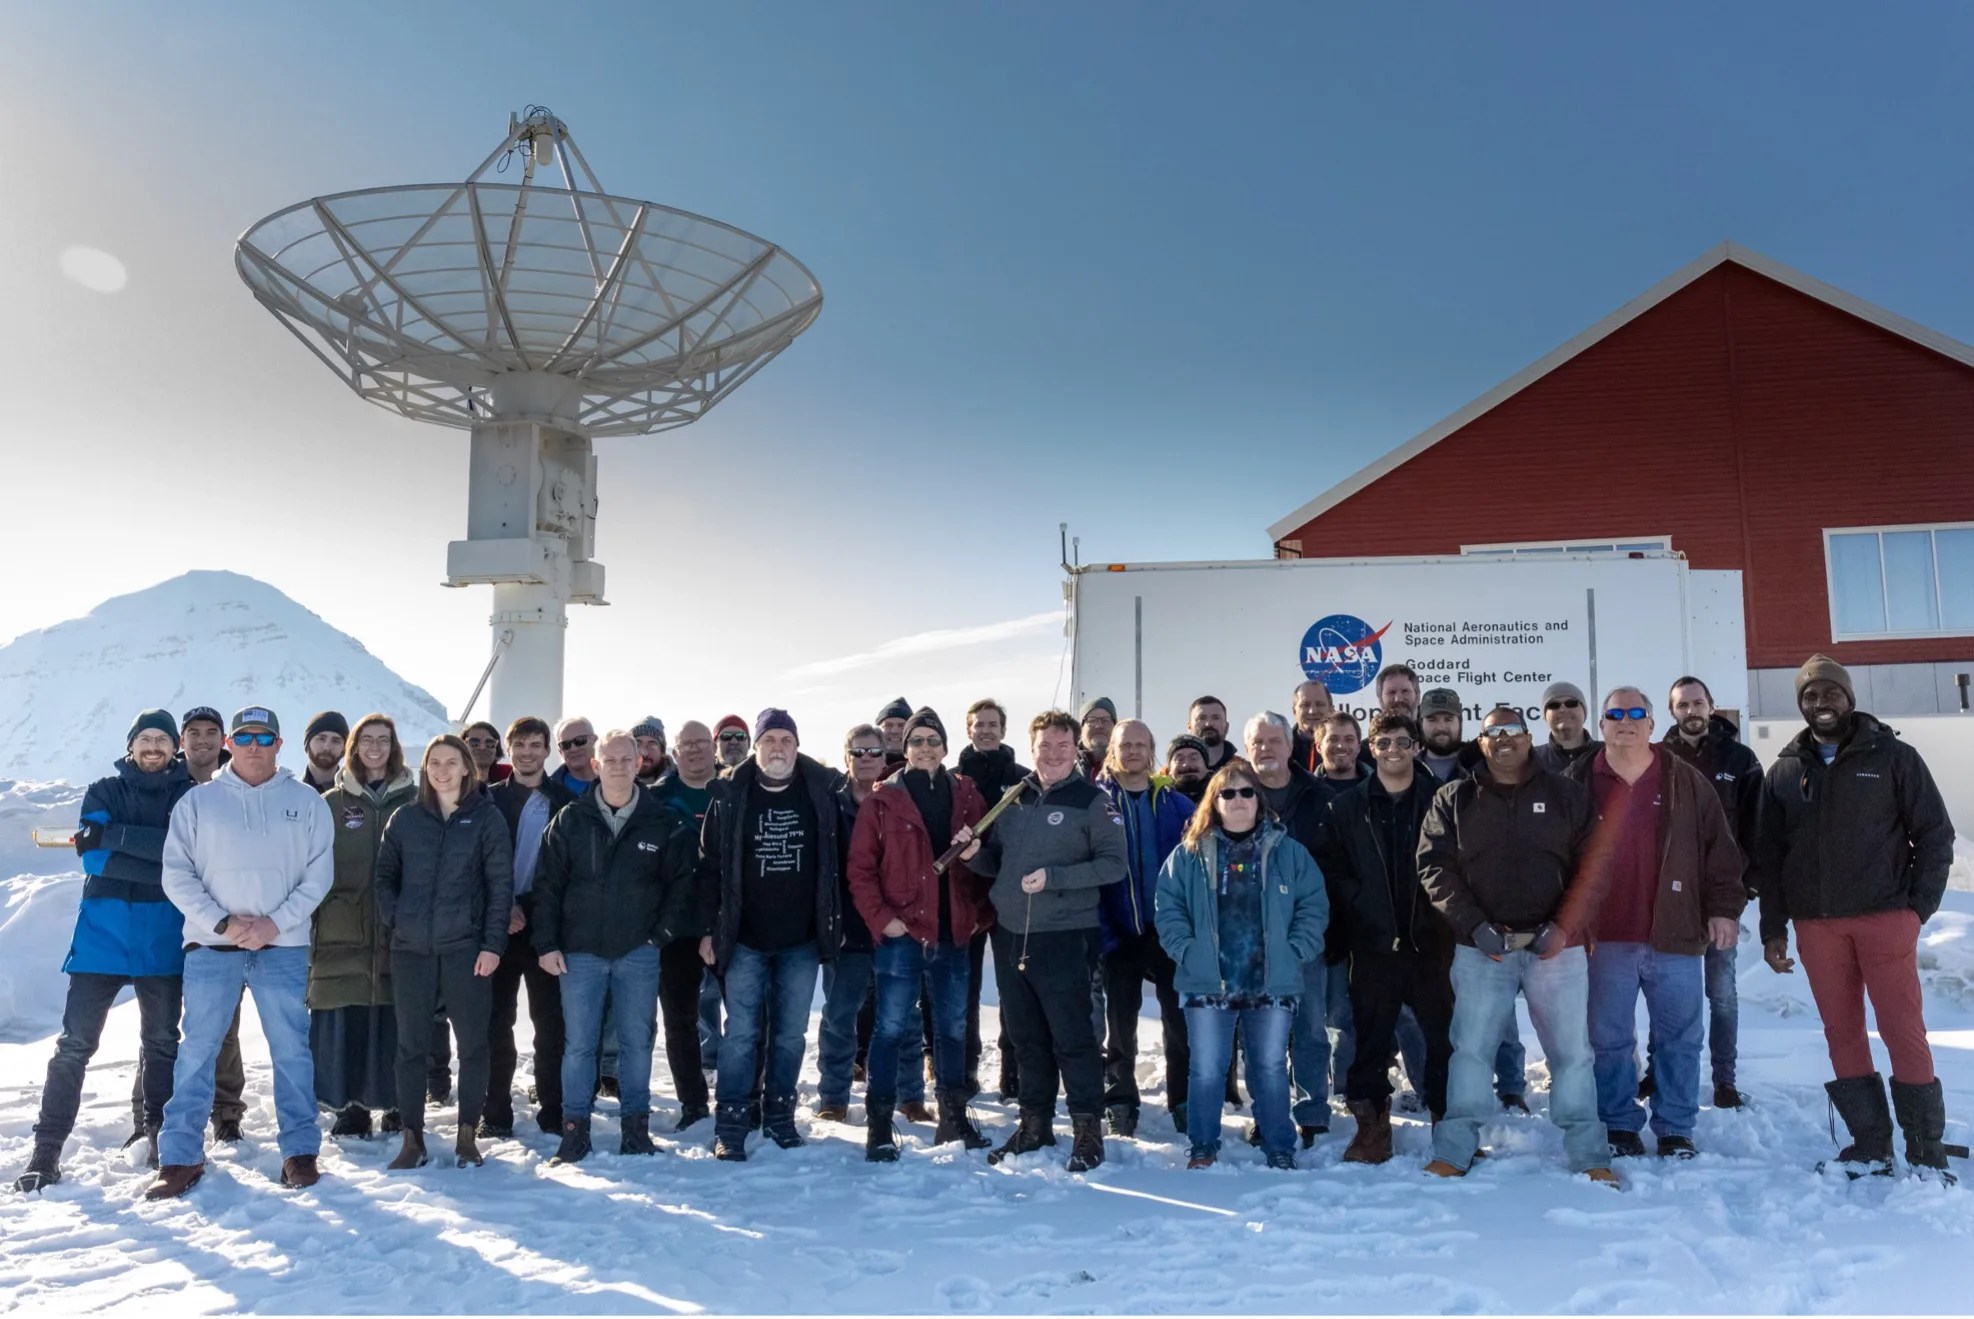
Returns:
(225,1130)
(1922,1112)
(575,1145)
(955,1125)
(634,1135)
(174,1180)
(730,1128)
(411,1154)
(466,1149)
(44,1169)
(1309,1131)
(1860,1102)
(1036,1131)
(689,1114)
(1282,1160)
(1200,1156)
(1626,1144)
(391,1123)
(880,1141)
(352,1120)
(1123,1121)
(1604,1177)
(1372,1143)
(779,1124)
(1726,1096)
(1086,1147)
(298,1172)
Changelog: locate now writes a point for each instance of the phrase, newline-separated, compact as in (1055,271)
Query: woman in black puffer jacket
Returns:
(445,884)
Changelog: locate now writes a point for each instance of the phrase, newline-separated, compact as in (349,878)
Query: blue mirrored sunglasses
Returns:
(1629,712)
(253,739)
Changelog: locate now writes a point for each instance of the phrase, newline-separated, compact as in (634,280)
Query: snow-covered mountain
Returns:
(68,692)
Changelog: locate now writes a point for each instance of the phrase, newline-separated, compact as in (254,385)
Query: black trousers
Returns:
(1381,986)
(90,998)
(1126,969)
(1047,1008)
(518,966)
(679,973)
(419,982)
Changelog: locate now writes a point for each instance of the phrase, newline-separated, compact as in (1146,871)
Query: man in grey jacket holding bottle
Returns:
(248,858)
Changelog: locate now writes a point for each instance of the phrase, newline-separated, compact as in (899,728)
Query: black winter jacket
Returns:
(1508,855)
(723,851)
(1377,904)
(1727,763)
(1867,832)
(609,895)
(856,934)
(445,886)
(993,772)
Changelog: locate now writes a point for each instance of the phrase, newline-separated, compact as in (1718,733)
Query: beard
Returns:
(1442,743)
(1693,726)
(324,760)
(1213,737)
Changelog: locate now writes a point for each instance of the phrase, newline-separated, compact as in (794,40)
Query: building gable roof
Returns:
(1724,254)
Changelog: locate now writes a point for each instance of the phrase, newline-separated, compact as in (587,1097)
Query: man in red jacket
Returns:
(922,922)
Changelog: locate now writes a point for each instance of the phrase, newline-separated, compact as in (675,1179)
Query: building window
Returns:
(1636,545)
(1900,581)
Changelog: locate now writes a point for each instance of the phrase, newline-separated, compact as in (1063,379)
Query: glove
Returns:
(1491,939)
(88,837)
(1551,939)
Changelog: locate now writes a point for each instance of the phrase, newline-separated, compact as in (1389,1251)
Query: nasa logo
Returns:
(352,817)
(1055,817)
(1343,652)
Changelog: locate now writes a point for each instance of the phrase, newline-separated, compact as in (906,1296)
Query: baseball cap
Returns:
(255,716)
(203,713)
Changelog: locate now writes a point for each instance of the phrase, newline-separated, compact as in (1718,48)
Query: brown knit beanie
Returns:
(1821,668)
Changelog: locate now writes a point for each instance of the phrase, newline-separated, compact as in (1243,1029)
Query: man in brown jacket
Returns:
(1666,878)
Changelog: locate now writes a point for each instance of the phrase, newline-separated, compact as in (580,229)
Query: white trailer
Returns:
(1498,629)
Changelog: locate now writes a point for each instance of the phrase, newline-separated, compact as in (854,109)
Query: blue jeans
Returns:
(903,965)
(630,983)
(1264,1047)
(710,996)
(1673,987)
(1314,1063)
(213,982)
(788,977)
(1558,993)
(1723,1013)
(846,981)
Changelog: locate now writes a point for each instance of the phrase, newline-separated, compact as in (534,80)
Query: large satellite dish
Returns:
(539,314)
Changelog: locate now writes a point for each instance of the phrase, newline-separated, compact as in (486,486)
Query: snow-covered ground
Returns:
(1746,1227)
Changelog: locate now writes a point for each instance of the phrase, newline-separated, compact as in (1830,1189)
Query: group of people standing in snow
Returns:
(1323,901)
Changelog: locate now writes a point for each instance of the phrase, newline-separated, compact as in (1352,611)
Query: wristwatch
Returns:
(221,927)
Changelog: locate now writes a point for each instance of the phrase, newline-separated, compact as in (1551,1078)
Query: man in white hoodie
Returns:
(247,859)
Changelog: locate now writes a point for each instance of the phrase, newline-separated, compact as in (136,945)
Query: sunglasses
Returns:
(1229,794)
(1394,743)
(1500,731)
(1567,703)
(866,753)
(482,742)
(570,744)
(923,742)
(253,739)
(1629,712)
(735,736)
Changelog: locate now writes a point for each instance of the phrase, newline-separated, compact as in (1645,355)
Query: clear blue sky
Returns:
(1162,271)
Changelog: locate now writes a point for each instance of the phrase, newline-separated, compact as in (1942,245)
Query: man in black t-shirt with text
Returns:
(768,893)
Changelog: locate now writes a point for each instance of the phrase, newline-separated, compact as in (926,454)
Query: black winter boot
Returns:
(634,1135)
(44,1169)
(880,1141)
(778,1121)
(1123,1120)
(1086,1150)
(1922,1112)
(954,1124)
(1860,1102)
(352,1120)
(730,1128)
(1037,1131)
(575,1145)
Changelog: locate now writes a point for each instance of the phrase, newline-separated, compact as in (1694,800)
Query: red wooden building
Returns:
(1749,417)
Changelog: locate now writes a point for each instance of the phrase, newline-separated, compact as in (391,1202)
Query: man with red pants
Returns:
(1853,846)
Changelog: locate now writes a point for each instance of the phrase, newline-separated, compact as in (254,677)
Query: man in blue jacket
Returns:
(1154,815)
(126,933)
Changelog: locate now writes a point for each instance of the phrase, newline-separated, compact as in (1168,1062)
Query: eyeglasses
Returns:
(571,743)
(865,753)
(695,743)
(1394,743)
(1500,731)
(253,739)
(1567,703)
(1629,712)
(1229,794)
(735,736)
(384,743)
(920,743)
(471,742)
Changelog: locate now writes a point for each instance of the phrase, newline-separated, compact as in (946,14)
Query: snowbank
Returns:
(37,915)
(25,807)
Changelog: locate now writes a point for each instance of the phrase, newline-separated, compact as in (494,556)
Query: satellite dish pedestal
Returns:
(540,317)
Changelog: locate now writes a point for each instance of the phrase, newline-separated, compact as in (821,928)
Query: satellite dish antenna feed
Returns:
(538,313)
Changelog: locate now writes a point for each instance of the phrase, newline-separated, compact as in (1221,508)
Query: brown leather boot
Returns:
(174,1180)
(300,1172)
(466,1150)
(1372,1143)
(411,1154)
